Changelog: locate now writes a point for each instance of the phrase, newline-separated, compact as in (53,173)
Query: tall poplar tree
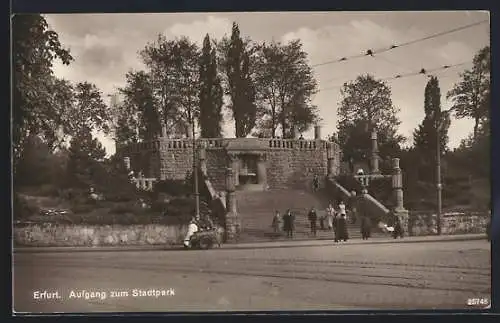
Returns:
(425,136)
(210,93)
(236,64)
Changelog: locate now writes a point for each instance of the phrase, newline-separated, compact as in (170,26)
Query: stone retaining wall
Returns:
(290,163)
(295,168)
(47,235)
(421,224)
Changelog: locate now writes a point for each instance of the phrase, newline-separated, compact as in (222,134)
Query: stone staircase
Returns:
(256,210)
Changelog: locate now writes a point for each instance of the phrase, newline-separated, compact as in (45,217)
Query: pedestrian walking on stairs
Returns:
(288,223)
(276,222)
(398,228)
(313,217)
(315,183)
(341,225)
(365,227)
(330,214)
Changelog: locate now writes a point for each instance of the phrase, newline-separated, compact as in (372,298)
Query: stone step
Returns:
(262,235)
(256,210)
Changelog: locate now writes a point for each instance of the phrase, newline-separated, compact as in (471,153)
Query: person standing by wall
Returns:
(276,222)
(365,227)
(341,229)
(330,214)
(315,183)
(322,220)
(313,217)
(288,223)
(398,229)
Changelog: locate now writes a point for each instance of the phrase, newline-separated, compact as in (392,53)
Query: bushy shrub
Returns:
(22,209)
(181,207)
(124,208)
(82,208)
(46,190)
(172,187)
(159,206)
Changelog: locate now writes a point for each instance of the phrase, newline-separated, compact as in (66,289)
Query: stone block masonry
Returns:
(289,163)
(217,162)
(295,168)
(425,223)
(50,235)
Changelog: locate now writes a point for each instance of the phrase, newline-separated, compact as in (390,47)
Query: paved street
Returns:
(349,276)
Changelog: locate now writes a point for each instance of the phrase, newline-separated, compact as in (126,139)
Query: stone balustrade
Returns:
(297,144)
(214,143)
(144,183)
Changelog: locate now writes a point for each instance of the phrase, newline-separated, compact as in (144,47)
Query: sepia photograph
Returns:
(251,161)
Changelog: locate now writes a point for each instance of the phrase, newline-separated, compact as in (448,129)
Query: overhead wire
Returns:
(422,71)
(371,52)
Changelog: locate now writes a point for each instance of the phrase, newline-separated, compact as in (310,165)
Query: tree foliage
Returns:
(35,89)
(85,155)
(166,93)
(471,96)
(211,93)
(138,113)
(285,84)
(366,105)
(425,136)
(236,57)
(174,69)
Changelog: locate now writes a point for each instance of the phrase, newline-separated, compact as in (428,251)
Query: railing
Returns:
(144,183)
(297,144)
(214,143)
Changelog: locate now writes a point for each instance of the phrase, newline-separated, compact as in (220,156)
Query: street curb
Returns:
(256,245)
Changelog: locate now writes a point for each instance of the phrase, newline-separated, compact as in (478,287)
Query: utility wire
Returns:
(371,52)
(377,57)
(422,71)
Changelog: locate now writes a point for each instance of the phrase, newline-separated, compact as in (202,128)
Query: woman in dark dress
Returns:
(341,228)
(398,229)
(365,227)
(288,223)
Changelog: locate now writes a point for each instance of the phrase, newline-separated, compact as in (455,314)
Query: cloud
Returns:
(196,31)
(455,52)
(105,47)
(333,42)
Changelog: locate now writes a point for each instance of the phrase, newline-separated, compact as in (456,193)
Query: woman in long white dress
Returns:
(192,229)
(330,213)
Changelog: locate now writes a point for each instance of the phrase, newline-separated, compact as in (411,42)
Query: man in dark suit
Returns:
(313,217)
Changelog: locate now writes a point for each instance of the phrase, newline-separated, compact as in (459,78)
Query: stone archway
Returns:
(249,169)
(247,159)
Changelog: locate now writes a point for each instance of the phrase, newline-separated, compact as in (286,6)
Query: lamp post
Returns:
(439,185)
(195,173)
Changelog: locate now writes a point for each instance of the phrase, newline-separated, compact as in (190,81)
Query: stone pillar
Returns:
(374,154)
(190,131)
(234,164)
(295,133)
(163,130)
(203,160)
(397,186)
(261,169)
(126,161)
(330,155)
(232,219)
(317,132)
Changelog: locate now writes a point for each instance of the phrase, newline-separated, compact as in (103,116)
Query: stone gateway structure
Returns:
(231,165)
(256,163)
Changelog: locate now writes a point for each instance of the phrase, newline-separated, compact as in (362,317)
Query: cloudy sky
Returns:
(105,47)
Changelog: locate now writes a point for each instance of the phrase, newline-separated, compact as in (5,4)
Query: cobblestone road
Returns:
(358,276)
